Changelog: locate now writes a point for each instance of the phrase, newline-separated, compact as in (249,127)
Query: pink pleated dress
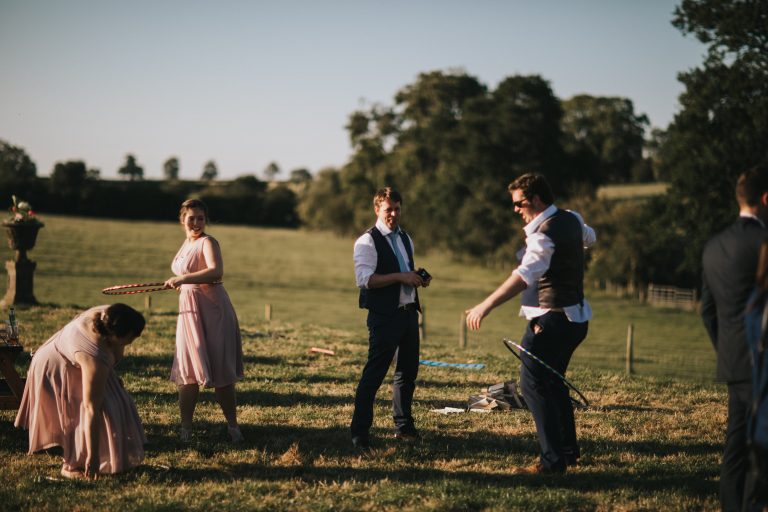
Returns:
(51,407)
(209,350)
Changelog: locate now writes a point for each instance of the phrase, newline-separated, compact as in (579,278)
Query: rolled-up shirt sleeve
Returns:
(365,258)
(537,257)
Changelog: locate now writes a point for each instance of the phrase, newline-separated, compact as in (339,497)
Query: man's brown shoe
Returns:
(537,469)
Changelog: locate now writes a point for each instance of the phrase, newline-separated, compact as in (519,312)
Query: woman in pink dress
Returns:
(208,346)
(74,399)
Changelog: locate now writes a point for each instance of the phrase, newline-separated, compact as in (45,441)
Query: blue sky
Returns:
(245,83)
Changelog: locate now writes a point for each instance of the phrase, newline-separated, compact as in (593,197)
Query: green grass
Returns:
(308,279)
(650,442)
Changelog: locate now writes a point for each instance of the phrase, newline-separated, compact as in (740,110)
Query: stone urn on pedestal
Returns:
(21,238)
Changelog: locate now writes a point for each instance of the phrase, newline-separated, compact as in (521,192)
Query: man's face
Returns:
(388,213)
(525,207)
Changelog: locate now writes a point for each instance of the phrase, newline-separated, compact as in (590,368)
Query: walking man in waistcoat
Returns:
(387,279)
(729,266)
(550,278)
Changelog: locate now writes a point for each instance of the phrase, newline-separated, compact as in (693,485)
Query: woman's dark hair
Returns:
(119,320)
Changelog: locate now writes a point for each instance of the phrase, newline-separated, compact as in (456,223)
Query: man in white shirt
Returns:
(387,279)
(550,278)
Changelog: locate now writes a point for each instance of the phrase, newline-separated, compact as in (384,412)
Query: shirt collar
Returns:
(536,222)
(751,216)
(383,229)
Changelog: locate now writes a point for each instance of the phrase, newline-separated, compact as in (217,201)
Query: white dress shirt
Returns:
(366,258)
(534,262)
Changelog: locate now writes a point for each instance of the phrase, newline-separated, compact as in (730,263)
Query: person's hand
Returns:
(475,316)
(411,279)
(174,282)
(425,282)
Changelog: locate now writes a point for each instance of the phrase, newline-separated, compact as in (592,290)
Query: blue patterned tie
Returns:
(400,260)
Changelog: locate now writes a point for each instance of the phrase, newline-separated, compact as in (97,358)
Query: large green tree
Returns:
(450,146)
(722,127)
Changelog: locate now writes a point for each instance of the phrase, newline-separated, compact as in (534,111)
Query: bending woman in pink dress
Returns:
(74,399)
(208,346)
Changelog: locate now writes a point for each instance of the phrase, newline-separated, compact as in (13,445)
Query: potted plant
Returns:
(21,227)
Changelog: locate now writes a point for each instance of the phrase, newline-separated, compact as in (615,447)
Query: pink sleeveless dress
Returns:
(53,395)
(208,347)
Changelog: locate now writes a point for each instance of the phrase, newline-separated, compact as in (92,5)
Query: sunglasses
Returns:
(520,203)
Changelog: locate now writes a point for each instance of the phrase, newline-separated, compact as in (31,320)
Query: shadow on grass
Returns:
(271,443)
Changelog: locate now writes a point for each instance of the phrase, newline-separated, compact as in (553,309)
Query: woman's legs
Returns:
(187,402)
(225,396)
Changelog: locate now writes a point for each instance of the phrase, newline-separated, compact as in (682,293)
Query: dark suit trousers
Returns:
(389,337)
(545,393)
(733,471)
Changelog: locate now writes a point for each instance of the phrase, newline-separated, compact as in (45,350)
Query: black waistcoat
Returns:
(563,283)
(385,300)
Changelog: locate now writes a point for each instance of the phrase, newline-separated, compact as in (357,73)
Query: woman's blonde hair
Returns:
(193,204)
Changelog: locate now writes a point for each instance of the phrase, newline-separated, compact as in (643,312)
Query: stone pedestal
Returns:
(20,283)
(21,238)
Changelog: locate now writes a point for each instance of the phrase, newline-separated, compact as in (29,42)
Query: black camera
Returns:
(423,274)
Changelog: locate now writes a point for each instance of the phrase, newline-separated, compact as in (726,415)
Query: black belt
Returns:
(407,307)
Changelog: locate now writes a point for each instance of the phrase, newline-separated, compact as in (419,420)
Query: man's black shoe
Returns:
(409,436)
(361,443)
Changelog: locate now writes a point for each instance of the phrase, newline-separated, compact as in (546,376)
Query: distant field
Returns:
(308,279)
(631,190)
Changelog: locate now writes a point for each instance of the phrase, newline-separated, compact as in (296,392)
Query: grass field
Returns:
(650,442)
(308,279)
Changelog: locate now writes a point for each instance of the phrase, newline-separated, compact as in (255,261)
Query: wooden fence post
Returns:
(463,331)
(148,304)
(423,323)
(268,311)
(630,348)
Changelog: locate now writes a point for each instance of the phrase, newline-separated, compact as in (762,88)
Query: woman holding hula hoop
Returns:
(208,346)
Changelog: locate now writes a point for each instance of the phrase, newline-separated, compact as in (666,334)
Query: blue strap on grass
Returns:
(466,366)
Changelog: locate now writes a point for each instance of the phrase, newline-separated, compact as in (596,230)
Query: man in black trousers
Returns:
(729,268)
(550,278)
(387,279)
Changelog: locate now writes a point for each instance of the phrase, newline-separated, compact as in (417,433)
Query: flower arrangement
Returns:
(22,213)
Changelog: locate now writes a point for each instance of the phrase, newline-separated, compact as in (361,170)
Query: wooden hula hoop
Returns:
(130,289)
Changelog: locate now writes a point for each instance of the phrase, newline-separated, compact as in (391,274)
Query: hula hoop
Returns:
(583,403)
(130,289)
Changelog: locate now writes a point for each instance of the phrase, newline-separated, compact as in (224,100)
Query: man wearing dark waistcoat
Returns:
(729,267)
(387,279)
(550,278)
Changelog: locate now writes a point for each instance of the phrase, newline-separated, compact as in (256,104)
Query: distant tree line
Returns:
(73,189)
(451,145)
